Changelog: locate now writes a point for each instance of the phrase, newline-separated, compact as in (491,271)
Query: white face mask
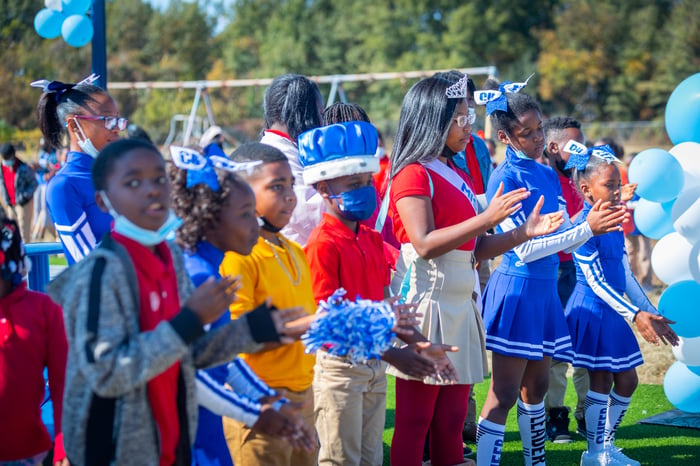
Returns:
(126,227)
(86,144)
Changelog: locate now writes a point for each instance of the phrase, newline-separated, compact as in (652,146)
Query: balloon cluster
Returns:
(65,18)
(669,211)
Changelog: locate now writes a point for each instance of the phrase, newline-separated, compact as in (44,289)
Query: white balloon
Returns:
(695,262)
(688,223)
(54,5)
(687,351)
(670,259)
(688,154)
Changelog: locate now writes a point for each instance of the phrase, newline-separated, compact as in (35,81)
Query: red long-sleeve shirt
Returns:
(32,337)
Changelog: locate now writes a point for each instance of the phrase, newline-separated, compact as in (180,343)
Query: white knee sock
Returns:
(617,407)
(596,406)
(531,421)
(489,442)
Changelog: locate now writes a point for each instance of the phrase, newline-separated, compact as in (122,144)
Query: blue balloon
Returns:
(47,23)
(679,303)
(77,30)
(683,111)
(682,387)
(653,219)
(658,174)
(75,7)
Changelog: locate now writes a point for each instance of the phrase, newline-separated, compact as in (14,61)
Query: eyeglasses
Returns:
(110,122)
(462,120)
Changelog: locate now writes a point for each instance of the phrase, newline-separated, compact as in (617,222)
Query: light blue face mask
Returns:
(86,144)
(126,227)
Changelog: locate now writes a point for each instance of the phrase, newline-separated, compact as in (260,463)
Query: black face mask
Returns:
(560,164)
(267,226)
(447,152)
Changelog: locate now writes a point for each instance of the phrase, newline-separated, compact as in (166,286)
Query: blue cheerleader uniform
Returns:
(70,196)
(522,312)
(596,311)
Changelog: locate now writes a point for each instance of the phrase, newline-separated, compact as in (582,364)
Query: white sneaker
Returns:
(600,458)
(620,457)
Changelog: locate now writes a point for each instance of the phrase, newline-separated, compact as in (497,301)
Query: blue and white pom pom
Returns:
(359,330)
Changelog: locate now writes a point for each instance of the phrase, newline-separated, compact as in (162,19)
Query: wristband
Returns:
(262,327)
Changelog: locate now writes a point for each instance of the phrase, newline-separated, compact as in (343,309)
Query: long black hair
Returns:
(426,116)
(54,107)
(295,101)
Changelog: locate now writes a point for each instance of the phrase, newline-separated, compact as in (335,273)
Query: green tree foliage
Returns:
(595,59)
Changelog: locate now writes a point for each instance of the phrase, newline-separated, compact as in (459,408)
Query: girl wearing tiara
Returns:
(603,343)
(436,218)
(523,316)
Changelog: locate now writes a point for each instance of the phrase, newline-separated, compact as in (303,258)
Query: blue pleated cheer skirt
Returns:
(523,318)
(602,339)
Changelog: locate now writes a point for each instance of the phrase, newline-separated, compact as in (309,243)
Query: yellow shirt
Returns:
(283,274)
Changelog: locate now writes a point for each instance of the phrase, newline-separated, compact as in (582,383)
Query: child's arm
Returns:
(588,259)
(70,219)
(245,381)
(217,399)
(56,363)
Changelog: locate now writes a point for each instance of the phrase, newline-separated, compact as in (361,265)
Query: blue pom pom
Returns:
(359,330)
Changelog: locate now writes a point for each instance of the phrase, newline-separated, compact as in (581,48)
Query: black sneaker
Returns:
(581,427)
(557,425)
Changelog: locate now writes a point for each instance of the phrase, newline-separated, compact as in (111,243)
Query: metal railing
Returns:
(39,254)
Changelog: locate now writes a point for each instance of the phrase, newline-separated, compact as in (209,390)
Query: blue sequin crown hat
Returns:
(338,150)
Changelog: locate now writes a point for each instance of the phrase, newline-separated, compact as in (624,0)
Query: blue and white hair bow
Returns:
(59,88)
(358,330)
(200,169)
(496,100)
(580,155)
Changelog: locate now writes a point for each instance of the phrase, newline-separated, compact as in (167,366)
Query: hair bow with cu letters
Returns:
(496,99)
(58,88)
(580,155)
(200,169)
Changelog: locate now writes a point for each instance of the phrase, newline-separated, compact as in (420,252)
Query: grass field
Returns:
(649,444)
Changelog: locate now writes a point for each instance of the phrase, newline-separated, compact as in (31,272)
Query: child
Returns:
(437,220)
(135,325)
(218,213)
(603,343)
(277,269)
(350,400)
(17,188)
(523,316)
(31,338)
(89,116)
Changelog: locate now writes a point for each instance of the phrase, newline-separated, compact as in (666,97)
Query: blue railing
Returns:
(39,253)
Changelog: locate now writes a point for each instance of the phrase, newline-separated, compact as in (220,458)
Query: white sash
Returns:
(449,175)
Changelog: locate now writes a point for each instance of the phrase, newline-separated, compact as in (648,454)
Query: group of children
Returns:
(152,368)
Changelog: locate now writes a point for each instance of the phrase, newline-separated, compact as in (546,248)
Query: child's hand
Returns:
(213,297)
(409,361)
(538,225)
(304,436)
(406,316)
(502,205)
(274,423)
(63,462)
(603,218)
(627,192)
(652,327)
(290,323)
(438,354)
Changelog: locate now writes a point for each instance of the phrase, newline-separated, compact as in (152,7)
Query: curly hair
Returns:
(199,206)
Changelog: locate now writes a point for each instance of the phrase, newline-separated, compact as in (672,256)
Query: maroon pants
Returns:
(419,408)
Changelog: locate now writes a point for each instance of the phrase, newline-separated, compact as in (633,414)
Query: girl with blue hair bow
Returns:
(602,341)
(523,316)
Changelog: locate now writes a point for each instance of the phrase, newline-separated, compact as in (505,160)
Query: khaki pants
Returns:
(557,387)
(350,403)
(22,214)
(251,448)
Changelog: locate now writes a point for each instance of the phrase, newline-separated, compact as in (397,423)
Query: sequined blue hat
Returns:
(338,150)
